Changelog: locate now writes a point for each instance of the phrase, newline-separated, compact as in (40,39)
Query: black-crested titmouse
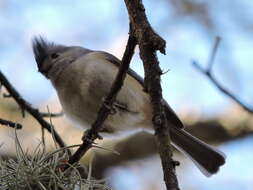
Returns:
(83,77)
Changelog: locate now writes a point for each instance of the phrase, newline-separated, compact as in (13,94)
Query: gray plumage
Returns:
(83,77)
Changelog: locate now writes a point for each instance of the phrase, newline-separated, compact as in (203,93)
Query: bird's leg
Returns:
(115,106)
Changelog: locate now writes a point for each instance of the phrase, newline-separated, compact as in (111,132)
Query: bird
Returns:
(82,78)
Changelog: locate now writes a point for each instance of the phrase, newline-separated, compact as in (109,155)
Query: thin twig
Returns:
(51,114)
(10,124)
(221,88)
(24,105)
(6,95)
(213,53)
(92,134)
(149,42)
(208,73)
(43,137)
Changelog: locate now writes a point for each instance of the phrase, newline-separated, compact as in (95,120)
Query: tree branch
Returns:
(149,42)
(208,73)
(25,106)
(10,124)
(92,134)
(51,114)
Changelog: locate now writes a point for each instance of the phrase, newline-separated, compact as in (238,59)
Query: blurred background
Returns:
(190,28)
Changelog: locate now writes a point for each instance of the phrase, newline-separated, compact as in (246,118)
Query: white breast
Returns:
(87,81)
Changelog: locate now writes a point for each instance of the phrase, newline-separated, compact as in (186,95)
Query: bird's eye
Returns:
(54,55)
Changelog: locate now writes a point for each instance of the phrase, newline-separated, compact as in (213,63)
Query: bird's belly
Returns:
(85,114)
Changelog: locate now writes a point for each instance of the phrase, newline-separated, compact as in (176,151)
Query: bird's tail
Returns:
(207,158)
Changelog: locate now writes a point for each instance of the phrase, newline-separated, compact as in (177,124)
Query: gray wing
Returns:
(170,114)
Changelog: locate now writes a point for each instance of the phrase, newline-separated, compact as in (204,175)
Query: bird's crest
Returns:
(41,48)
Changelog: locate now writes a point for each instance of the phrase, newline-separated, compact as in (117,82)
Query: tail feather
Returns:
(206,157)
